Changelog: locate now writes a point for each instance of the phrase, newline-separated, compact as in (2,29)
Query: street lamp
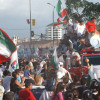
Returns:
(53,19)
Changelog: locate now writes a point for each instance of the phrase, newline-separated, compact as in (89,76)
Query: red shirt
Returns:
(91,27)
(26,94)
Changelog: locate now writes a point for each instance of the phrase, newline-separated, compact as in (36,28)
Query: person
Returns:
(75,58)
(18,72)
(91,26)
(26,93)
(70,28)
(28,75)
(38,79)
(58,93)
(75,94)
(80,29)
(1,90)
(8,96)
(1,72)
(31,64)
(87,95)
(68,95)
(75,83)
(82,87)
(15,86)
(61,71)
(4,65)
(82,45)
(6,81)
(75,25)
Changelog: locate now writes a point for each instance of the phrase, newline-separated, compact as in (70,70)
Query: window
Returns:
(93,59)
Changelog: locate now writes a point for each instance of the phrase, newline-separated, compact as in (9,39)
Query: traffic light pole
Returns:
(30,21)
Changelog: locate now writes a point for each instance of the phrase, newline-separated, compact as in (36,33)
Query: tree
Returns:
(82,9)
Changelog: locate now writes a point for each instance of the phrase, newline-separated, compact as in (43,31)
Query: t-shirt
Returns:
(80,30)
(26,94)
(26,73)
(31,64)
(91,27)
(19,79)
(6,83)
(61,72)
(1,92)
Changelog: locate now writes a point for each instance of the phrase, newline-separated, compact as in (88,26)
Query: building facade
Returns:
(53,33)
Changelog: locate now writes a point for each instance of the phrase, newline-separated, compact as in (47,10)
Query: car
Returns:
(82,68)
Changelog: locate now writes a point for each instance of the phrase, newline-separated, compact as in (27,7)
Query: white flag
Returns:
(14,62)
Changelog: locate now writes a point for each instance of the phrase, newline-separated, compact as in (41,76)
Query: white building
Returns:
(53,33)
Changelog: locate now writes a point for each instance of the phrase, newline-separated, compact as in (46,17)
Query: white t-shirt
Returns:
(30,64)
(1,92)
(6,83)
(80,30)
(61,72)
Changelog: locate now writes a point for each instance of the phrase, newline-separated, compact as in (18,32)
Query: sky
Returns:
(14,13)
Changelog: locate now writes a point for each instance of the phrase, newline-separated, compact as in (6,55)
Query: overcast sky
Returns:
(13,15)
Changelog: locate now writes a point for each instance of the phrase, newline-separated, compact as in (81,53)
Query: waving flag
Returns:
(54,59)
(7,47)
(61,12)
(58,7)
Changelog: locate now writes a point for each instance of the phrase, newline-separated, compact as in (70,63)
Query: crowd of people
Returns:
(57,81)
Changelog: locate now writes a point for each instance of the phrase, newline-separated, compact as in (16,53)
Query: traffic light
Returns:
(33,22)
(32,33)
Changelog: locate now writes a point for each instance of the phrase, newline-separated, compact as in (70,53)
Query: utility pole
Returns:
(30,20)
(53,20)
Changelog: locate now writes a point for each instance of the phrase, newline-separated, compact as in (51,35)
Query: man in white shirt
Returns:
(81,29)
(75,25)
(61,71)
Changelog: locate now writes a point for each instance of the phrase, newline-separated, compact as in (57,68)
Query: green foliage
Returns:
(83,9)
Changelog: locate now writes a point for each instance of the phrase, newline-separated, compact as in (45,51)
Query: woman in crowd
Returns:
(58,95)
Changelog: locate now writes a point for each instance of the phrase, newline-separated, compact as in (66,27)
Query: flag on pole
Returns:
(7,47)
(54,59)
(63,15)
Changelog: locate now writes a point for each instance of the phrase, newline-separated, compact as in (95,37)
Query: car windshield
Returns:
(93,59)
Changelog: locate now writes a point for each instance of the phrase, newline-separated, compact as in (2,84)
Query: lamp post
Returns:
(53,19)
